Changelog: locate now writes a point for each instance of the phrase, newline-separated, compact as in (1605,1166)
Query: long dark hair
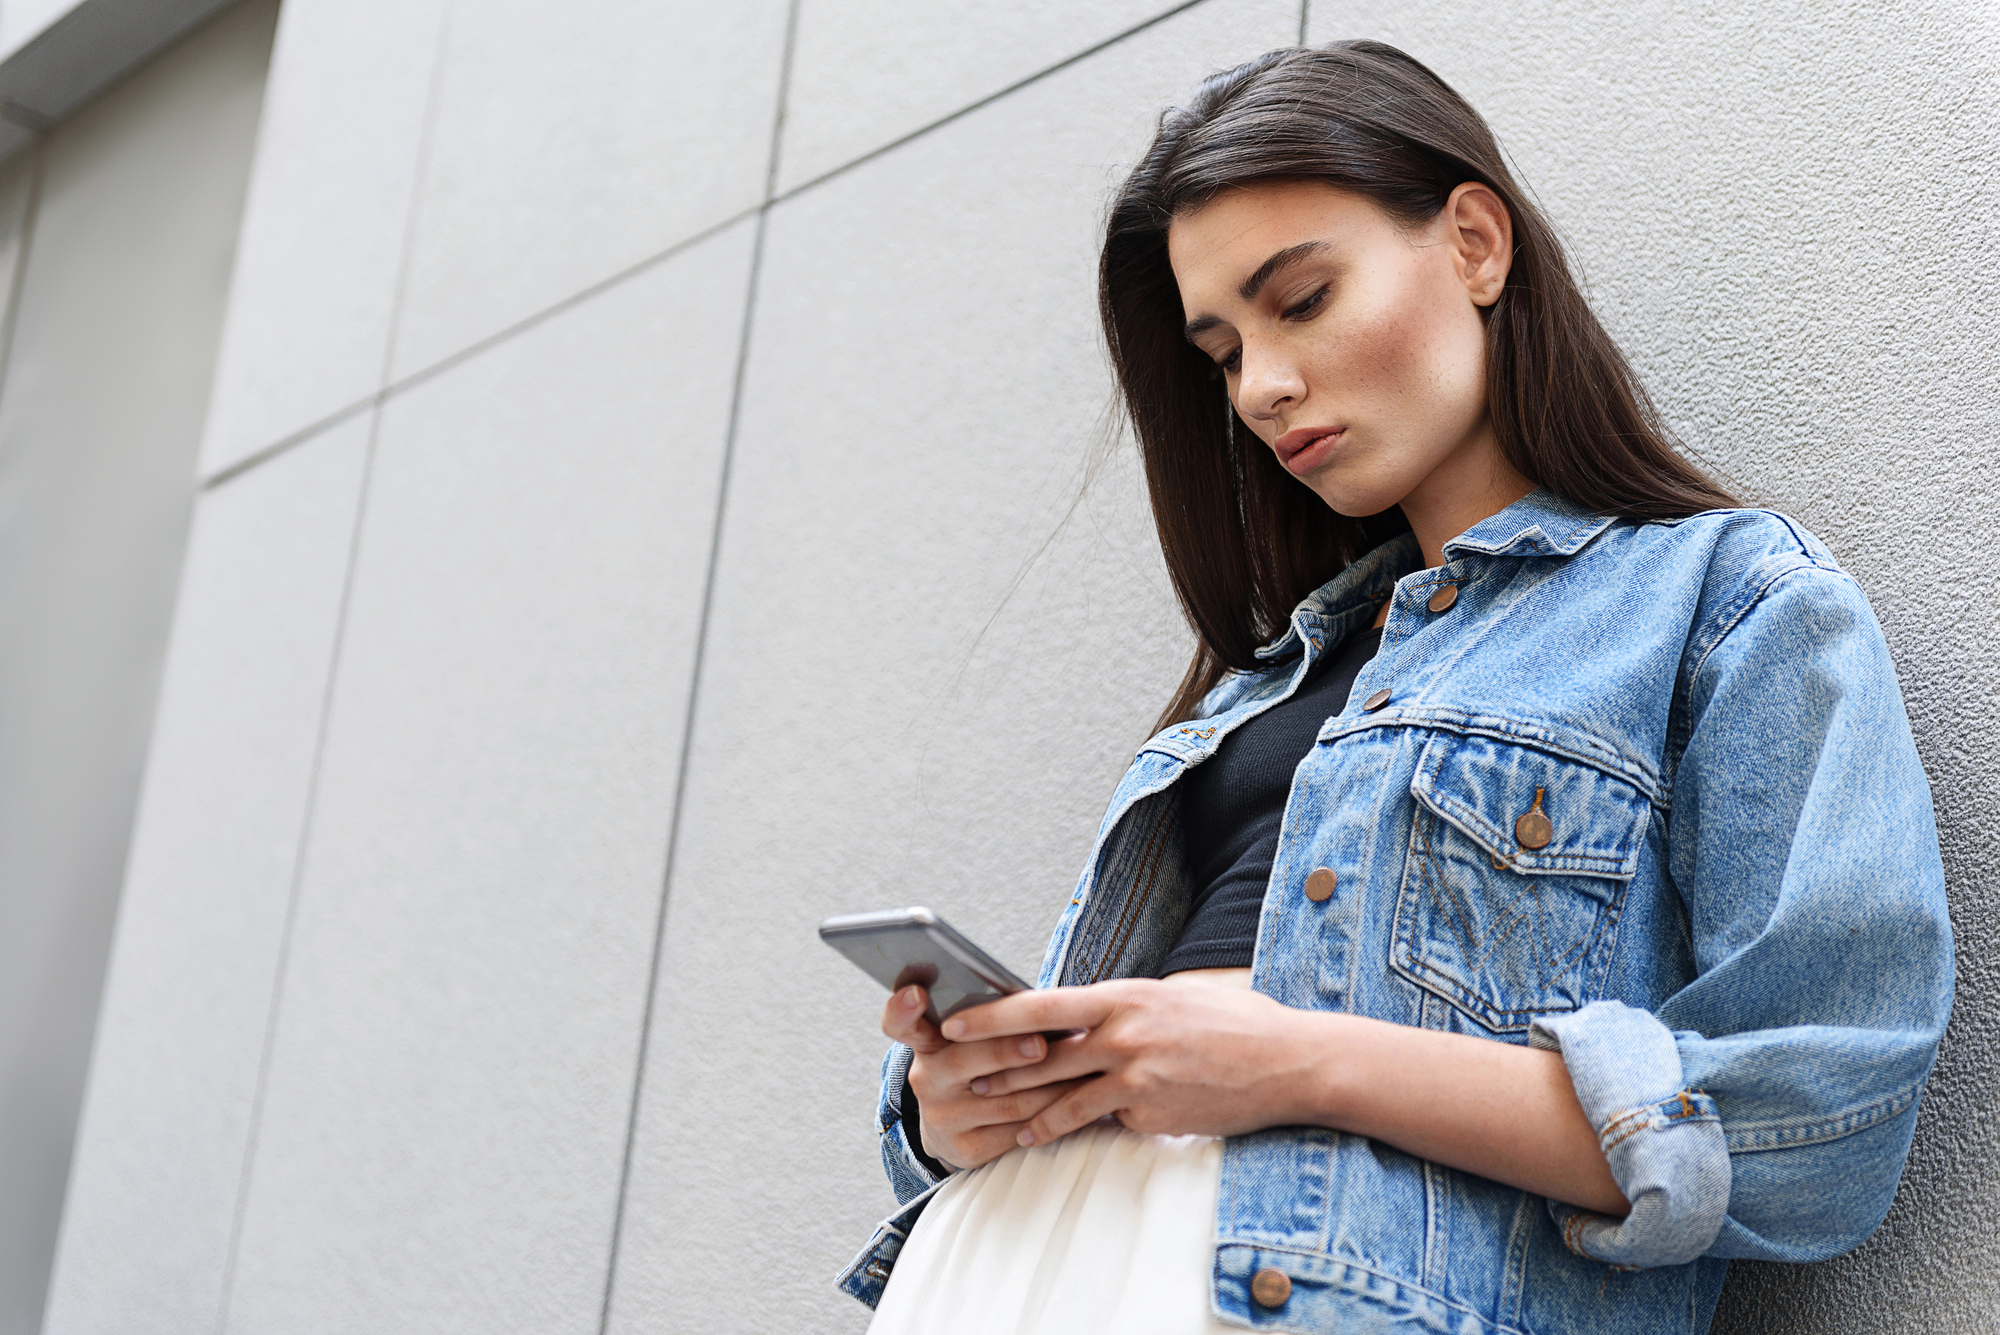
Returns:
(1243,541)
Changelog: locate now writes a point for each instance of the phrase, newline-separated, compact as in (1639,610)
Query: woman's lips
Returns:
(1305,449)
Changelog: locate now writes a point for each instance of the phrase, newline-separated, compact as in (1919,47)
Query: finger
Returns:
(976,1143)
(1054,1008)
(1015,1109)
(963,1069)
(1079,1108)
(1070,1059)
(981,1146)
(965,1062)
(903,1020)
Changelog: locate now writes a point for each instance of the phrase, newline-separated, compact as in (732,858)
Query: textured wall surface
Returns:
(640,517)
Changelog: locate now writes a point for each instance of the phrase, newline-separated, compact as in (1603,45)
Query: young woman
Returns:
(1531,899)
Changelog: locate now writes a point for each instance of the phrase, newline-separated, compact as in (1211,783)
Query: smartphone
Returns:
(897,947)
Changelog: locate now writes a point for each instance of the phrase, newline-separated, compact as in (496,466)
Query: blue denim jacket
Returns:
(1731,924)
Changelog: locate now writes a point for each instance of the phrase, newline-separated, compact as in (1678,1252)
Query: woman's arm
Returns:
(1176,1058)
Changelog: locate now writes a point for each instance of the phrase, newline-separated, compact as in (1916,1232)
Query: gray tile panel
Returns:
(313,298)
(902,700)
(167,1120)
(866,72)
(564,152)
(458,1026)
(112,327)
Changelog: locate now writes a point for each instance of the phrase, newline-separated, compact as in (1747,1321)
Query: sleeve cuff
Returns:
(1664,1142)
(910,1173)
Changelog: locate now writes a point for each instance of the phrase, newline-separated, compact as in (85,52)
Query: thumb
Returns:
(903,1020)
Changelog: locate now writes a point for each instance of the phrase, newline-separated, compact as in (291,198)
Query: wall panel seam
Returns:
(376,404)
(695,675)
(244,1173)
(771,198)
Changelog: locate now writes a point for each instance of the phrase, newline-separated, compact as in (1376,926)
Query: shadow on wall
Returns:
(116,232)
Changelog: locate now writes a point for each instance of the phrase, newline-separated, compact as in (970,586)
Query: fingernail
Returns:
(954,1029)
(1030,1047)
(907,998)
(979,1086)
(1027,1137)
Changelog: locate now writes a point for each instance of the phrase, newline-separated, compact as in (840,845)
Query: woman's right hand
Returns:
(962,1127)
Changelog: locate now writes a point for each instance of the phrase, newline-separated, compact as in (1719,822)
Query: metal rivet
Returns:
(1270,1287)
(1377,700)
(1533,829)
(1442,600)
(1321,884)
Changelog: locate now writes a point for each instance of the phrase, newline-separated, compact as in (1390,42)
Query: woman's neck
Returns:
(1470,486)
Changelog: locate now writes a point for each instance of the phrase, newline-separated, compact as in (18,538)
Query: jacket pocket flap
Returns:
(1530,810)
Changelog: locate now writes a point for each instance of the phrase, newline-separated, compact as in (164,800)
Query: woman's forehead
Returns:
(1220,247)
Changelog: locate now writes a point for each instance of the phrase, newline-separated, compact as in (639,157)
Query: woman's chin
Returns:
(1353,502)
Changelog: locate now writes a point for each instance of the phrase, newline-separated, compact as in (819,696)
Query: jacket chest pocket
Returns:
(1518,865)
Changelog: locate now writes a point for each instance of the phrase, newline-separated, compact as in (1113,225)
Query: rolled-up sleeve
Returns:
(1766,1108)
(909,1175)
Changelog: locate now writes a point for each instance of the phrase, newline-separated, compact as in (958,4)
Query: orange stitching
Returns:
(1622,1139)
(1626,1116)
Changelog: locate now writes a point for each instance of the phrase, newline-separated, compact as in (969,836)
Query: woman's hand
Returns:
(1180,1056)
(965,1122)
(1172,1058)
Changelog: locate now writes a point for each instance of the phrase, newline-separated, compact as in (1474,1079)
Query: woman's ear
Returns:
(1482,237)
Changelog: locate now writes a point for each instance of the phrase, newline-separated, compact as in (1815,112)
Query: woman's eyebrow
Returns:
(1254,284)
(1284,259)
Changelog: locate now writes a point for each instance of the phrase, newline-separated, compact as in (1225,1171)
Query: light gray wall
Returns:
(115,243)
(638,522)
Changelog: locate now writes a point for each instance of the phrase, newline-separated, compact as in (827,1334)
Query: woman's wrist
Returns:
(1329,1079)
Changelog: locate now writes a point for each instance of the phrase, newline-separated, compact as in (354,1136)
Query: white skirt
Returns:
(1105,1232)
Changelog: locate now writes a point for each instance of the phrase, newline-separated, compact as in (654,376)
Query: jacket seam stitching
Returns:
(1400,1281)
(1796,1135)
(1461,724)
(1724,627)
(1135,904)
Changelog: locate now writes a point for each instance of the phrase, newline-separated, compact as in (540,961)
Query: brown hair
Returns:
(1243,541)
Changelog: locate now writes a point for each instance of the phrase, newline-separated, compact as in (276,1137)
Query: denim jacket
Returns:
(1641,793)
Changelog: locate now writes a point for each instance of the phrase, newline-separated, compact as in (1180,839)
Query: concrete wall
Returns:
(636,522)
(116,232)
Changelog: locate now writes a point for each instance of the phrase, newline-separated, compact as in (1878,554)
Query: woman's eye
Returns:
(1306,308)
(1230,362)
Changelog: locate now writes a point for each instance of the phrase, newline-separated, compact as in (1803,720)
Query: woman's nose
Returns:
(1268,386)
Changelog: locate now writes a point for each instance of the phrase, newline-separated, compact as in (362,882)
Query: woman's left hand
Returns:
(1171,1058)
(1186,1056)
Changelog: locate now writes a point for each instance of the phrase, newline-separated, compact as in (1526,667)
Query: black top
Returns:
(1232,803)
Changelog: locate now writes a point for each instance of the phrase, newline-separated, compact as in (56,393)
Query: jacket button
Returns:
(1319,888)
(1270,1287)
(1534,830)
(1377,700)
(1442,600)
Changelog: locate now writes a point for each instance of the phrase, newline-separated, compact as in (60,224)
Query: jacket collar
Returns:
(1329,612)
(1539,524)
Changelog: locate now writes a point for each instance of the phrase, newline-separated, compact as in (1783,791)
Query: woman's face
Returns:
(1354,347)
